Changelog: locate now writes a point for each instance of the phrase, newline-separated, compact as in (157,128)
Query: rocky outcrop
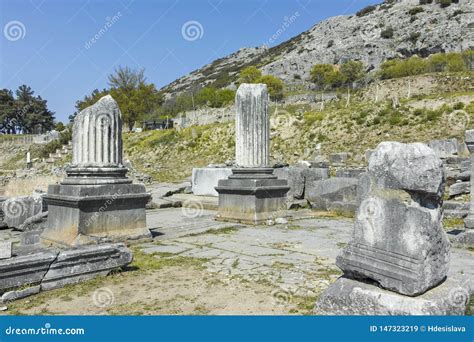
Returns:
(349,37)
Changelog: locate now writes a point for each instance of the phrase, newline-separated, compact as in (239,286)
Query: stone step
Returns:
(193,201)
(455,205)
(455,213)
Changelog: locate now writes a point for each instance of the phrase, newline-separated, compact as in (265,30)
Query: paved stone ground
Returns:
(298,258)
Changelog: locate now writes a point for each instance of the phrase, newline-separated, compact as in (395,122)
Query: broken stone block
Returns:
(25,270)
(351,297)
(322,193)
(5,249)
(77,265)
(205,180)
(350,172)
(339,158)
(416,169)
(17,210)
(18,294)
(445,148)
(294,176)
(459,188)
(398,239)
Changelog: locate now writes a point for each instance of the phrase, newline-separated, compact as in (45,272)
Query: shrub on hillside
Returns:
(366,10)
(415,10)
(387,33)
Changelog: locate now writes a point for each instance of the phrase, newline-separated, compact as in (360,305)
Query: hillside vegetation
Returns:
(298,128)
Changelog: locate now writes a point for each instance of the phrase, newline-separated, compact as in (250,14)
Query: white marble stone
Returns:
(97,135)
(252,126)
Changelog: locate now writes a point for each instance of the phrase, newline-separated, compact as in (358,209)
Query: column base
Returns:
(351,297)
(251,196)
(80,214)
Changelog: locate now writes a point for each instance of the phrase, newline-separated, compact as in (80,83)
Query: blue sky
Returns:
(47,44)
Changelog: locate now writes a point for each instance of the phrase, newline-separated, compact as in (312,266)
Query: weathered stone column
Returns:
(252,126)
(96,201)
(397,260)
(469,140)
(252,194)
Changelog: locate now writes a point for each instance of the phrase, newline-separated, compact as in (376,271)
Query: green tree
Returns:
(326,75)
(275,86)
(136,98)
(7,109)
(126,78)
(249,75)
(31,113)
(352,71)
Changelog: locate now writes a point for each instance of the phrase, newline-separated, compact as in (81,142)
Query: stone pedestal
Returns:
(351,297)
(96,201)
(398,242)
(252,194)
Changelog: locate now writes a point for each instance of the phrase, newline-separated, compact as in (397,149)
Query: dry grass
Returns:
(24,187)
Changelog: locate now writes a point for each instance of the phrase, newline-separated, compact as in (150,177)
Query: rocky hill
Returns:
(389,30)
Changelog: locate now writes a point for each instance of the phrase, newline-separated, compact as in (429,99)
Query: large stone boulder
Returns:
(295,177)
(411,167)
(323,193)
(398,240)
(445,148)
(298,178)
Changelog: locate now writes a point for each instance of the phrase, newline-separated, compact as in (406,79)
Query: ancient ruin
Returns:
(96,201)
(252,194)
(398,242)
(469,220)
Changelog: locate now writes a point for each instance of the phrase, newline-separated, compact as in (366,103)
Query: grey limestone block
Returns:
(351,297)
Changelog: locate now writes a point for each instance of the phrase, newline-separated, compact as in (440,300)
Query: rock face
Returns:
(350,37)
(398,240)
(96,201)
(252,126)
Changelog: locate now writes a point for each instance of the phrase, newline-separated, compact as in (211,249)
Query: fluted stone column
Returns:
(96,201)
(97,145)
(469,140)
(252,126)
(252,194)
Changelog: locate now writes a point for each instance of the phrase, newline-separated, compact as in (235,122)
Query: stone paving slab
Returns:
(297,257)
